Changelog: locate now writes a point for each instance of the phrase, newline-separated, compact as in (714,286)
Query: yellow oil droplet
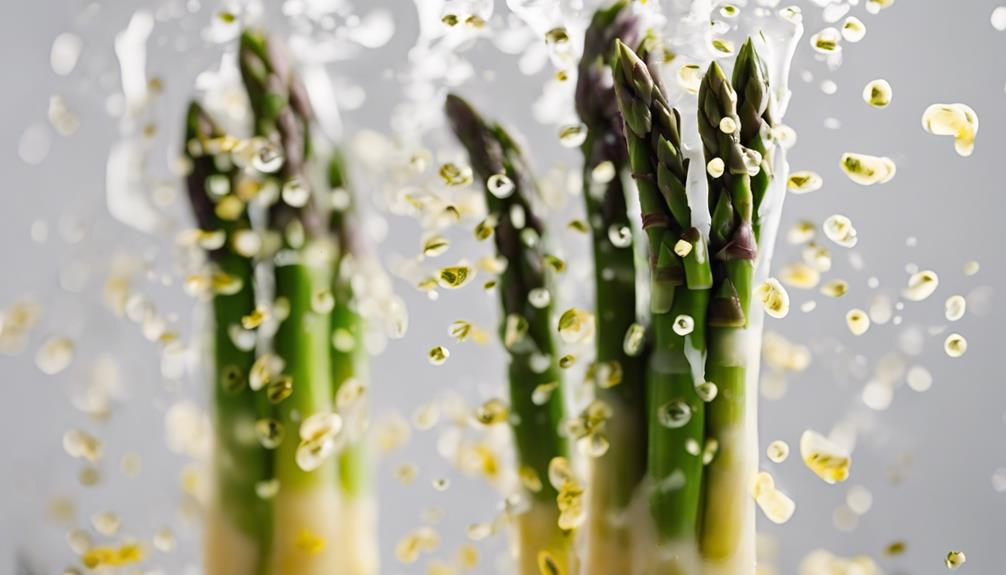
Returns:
(895,548)
(106,523)
(492,412)
(454,175)
(858,321)
(878,93)
(279,389)
(956,120)
(454,277)
(773,297)
(435,246)
(955,559)
(548,565)
(309,542)
(853,29)
(827,41)
(824,457)
(683,325)
(804,182)
(690,78)
(867,170)
(955,307)
(54,355)
(500,186)
(269,432)
(576,325)
(955,345)
(800,275)
(835,288)
(775,505)
(715,167)
(839,229)
(438,355)
(921,285)
(801,233)
(778,451)
(573,135)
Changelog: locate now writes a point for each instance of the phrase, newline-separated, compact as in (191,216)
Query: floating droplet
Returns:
(674,414)
(921,285)
(454,277)
(778,451)
(868,170)
(492,412)
(955,559)
(573,135)
(454,175)
(54,355)
(878,93)
(955,307)
(858,321)
(774,298)
(957,120)
(955,345)
(438,355)
(824,457)
(827,41)
(500,185)
(715,167)
(576,325)
(683,325)
(804,182)
(853,30)
(838,229)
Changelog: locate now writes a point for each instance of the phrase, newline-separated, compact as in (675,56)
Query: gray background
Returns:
(930,51)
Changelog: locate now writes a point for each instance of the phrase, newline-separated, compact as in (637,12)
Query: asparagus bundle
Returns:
(681,278)
(310,515)
(615,475)
(526,331)
(697,407)
(734,198)
(238,532)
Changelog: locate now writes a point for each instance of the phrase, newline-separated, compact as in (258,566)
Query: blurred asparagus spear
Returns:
(238,532)
(349,377)
(526,331)
(615,475)
(306,507)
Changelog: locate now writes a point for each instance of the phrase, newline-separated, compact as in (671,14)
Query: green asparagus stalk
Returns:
(526,331)
(349,371)
(615,475)
(239,530)
(728,521)
(681,278)
(307,504)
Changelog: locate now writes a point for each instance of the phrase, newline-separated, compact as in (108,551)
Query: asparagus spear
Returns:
(307,504)
(526,331)
(681,278)
(349,368)
(728,515)
(615,475)
(239,528)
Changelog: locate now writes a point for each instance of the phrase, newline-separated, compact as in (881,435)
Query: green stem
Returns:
(240,464)
(302,342)
(725,517)
(676,473)
(615,306)
(354,460)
